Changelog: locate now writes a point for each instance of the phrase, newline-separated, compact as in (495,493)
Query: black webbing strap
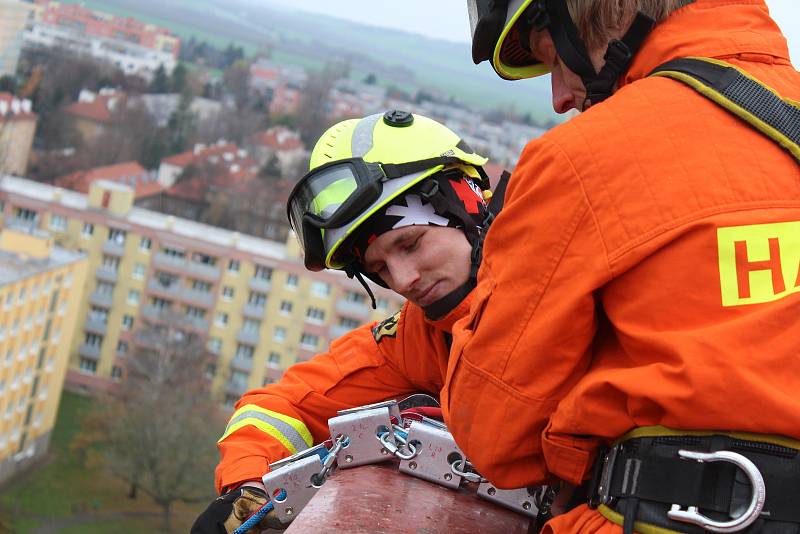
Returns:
(745,97)
(649,469)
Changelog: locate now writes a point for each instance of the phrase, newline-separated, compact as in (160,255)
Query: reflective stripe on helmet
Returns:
(291,432)
(363,135)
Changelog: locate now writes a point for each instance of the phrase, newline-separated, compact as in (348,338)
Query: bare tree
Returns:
(158,430)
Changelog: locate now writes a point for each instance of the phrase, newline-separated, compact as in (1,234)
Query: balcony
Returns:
(260,284)
(89,351)
(114,248)
(167,261)
(235,388)
(204,298)
(337,331)
(102,299)
(153,313)
(197,323)
(106,274)
(242,364)
(176,290)
(95,326)
(352,309)
(183,265)
(203,270)
(254,311)
(249,337)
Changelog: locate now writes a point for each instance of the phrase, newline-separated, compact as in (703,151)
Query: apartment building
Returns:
(17,128)
(134,46)
(15,15)
(40,293)
(250,299)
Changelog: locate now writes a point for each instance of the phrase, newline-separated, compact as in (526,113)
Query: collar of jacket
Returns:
(712,28)
(446,323)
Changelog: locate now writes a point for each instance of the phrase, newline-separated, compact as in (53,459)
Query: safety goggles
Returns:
(334,195)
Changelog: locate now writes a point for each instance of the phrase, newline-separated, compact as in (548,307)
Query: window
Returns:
(21,297)
(99,315)
(88,366)
(111,263)
(199,285)
(58,223)
(68,280)
(286,307)
(145,244)
(133,297)
(2,332)
(280,334)
(346,322)
(139,270)
(161,304)
(215,345)
(264,273)
(274,359)
(221,319)
(358,298)
(197,313)
(173,252)
(116,236)
(116,373)
(26,215)
(9,300)
(102,287)
(321,289)
(35,291)
(127,322)
(227,293)
(28,322)
(233,266)
(93,340)
(292,281)
(244,352)
(211,370)
(15,327)
(315,315)
(239,378)
(251,325)
(205,259)
(88,230)
(256,299)
(122,347)
(308,341)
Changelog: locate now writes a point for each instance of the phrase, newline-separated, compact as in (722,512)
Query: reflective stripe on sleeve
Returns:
(291,432)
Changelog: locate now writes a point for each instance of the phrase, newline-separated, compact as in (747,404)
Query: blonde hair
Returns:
(600,20)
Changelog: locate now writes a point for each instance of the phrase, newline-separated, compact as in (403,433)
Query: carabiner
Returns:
(691,514)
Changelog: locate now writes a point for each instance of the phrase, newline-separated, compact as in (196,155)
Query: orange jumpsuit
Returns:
(404,354)
(645,270)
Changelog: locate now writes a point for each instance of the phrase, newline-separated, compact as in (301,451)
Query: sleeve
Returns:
(278,420)
(526,340)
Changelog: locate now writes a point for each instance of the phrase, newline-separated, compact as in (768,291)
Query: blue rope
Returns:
(256,518)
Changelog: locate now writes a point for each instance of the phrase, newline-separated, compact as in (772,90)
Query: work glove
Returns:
(227,513)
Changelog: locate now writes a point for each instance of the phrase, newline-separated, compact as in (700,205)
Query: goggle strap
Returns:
(397,170)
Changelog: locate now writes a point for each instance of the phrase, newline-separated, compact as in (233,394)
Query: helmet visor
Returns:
(331,196)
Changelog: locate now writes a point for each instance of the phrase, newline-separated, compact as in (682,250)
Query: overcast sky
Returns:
(447,19)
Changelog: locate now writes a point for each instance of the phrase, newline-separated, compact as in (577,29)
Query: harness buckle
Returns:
(601,492)
(691,514)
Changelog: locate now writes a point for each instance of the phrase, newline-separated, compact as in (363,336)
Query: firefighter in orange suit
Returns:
(639,294)
(418,233)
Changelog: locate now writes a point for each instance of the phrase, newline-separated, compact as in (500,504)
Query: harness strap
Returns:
(733,89)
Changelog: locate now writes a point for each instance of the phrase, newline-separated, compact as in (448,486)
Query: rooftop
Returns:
(202,233)
(97,107)
(130,173)
(14,266)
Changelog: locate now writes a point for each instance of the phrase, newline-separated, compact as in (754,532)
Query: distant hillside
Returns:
(397,58)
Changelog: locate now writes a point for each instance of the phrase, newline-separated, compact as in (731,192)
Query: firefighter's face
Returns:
(567,87)
(421,263)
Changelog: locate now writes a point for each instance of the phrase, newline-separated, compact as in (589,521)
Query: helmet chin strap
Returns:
(554,16)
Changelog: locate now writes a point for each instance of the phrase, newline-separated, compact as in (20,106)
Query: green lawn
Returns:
(61,495)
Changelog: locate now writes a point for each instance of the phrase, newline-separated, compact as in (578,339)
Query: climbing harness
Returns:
(376,433)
